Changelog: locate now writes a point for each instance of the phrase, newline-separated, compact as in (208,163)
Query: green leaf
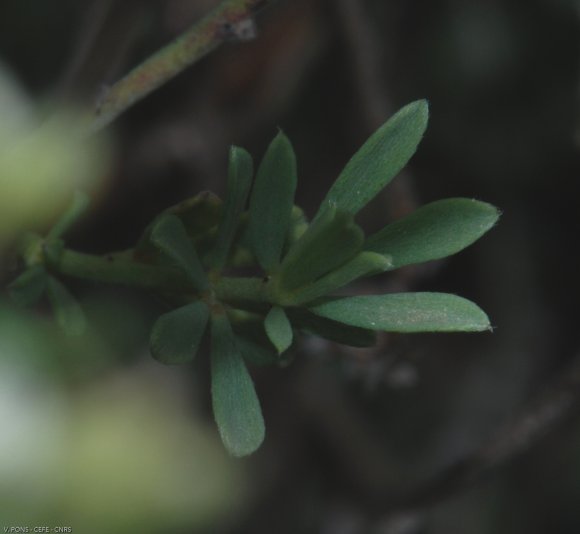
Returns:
(69,315)
(169,235)
(271,202)
(380,159)
(235,404)
(278,329)
(331,239)
(363,264)
(176,335)
(239,182)
(406,312)
(344,334)
(434,231)
(29,286)
(200,215)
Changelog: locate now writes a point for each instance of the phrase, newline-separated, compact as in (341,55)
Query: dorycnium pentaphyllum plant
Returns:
(191,254)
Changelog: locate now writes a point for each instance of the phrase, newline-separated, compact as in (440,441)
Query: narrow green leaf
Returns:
(363,264)
(69,315)
(176,335)
(169,235)
(331,239)
(240,173)
(200,216)
(271,202)
(29,286)
(434,231)
(278,329)
(79,204)
(352,336)
(380,159)
(406,312)
(236,406)
(199,213)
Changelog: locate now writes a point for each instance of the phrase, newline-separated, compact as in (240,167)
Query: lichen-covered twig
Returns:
(230,20)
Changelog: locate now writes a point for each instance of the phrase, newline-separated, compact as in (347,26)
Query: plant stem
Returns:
(110,269)
(225,22)
(242,289)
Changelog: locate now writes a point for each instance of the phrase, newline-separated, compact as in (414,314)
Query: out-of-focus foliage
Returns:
(41,162)
(121,455)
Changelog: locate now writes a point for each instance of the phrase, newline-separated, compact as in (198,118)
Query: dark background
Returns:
(351,431)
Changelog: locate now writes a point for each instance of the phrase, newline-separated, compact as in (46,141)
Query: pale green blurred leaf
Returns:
(41,166)
(69,315)
(29,286)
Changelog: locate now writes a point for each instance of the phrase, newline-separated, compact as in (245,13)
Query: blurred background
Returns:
(99,437)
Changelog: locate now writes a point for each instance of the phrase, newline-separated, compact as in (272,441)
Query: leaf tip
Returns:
(280,136)
(481,322)
(419,108)
(278,329)
(490,215)
(241,449)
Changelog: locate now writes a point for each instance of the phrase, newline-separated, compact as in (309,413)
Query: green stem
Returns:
(108,269)
(79,204)
(221,24)
(242,289)
(166,280)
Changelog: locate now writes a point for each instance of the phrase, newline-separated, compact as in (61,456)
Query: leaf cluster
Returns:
(301,267)
(304,264)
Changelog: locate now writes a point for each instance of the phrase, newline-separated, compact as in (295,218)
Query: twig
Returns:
(231,20)
(550,409)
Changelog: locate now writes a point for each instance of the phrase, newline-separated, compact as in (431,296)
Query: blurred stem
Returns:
(231,19)
(78,206)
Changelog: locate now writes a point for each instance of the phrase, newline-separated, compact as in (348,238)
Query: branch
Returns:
(231,20)
(545,413)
